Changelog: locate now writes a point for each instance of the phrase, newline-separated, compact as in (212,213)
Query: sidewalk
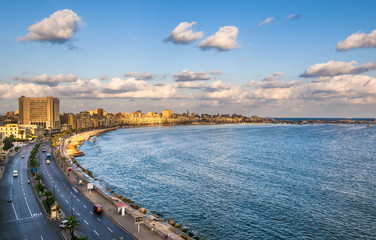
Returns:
(127,222)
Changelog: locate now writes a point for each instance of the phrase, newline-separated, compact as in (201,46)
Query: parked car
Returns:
(63,223)
(98,208)
(15,173)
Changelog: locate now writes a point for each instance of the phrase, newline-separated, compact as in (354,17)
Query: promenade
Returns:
(154,230)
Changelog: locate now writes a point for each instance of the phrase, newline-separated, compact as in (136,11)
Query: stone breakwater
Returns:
(171,229)
(75,141)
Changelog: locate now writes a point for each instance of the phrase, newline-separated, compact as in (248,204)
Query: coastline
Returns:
(153,223)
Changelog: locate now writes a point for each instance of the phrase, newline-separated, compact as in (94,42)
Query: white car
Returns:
(23,156)
(63,223)
(15,173)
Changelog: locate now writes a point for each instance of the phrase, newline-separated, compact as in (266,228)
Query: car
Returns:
(15,173)
(98,208)
(63,224)
(23,156)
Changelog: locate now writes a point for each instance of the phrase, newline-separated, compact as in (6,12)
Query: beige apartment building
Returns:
(40,111)
(13,129)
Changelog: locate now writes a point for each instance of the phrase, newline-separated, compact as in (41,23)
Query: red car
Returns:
(98,208)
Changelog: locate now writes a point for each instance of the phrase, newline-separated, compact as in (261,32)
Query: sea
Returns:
(246,181)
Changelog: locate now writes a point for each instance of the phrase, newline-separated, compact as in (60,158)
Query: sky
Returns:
(269,58)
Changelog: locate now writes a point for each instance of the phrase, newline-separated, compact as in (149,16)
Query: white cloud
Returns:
(132,88)
(187,75)
(223,40)
(358,40)
(140,76)
(266,21)
(333,68)
(58,28)
(183,33)
(51,81)
(349,86)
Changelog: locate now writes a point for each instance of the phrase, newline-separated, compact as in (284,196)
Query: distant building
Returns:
(13,129)
(40,111)
(166,113)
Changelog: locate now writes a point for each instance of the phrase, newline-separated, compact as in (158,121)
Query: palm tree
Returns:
(71,224)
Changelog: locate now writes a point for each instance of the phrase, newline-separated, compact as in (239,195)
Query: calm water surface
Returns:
(246,182)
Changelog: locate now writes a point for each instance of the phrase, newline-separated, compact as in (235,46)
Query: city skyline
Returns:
(276,59)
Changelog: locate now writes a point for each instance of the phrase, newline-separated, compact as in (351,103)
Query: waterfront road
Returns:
(20,213)
(95,226)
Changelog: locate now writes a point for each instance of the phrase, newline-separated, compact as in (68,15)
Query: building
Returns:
(33,130)
(2,137)
(166,113)
(40,111)
(13,129)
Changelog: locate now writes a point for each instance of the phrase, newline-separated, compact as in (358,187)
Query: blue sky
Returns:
(117,37)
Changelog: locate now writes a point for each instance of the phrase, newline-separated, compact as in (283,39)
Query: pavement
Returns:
(21,216)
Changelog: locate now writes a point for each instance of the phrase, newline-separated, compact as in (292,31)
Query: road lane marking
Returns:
(28,207)
(14,211)
(78,214)
(85,206)
(61,195)
(91,212)
(96,232)
(78,199)
(86,222)
(99,220)
(66,201)
(41,237)
(109,229)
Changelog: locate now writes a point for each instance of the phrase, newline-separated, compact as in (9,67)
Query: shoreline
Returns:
(155,224)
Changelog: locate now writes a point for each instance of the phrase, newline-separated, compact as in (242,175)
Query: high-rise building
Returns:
(40,111)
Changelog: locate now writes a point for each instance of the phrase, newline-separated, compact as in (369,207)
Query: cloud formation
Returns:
(216,72)
(273,77)
(266,21)
(51,81)
(334,68)
(187,75)
(293,16)
(140,76)
(343,89)
(358,40)
(184,34)
(223,40)
(58,28)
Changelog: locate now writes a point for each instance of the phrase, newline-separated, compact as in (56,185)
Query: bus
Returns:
(48,159)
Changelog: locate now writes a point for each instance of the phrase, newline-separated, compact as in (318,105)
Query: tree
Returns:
(8,142)
(71,224)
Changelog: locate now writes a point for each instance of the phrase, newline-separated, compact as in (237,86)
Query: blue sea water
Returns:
(246,182)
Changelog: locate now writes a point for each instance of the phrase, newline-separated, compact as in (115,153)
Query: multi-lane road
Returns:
(20,213)
(95,226)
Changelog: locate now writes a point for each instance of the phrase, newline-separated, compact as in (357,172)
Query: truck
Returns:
(48,158)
